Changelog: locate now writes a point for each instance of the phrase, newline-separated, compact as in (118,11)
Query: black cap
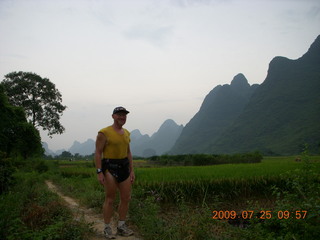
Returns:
(120,109)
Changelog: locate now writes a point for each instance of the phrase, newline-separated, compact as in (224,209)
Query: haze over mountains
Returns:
(277,117)
(85,148)
(141,145)
(218,111)
(159,143)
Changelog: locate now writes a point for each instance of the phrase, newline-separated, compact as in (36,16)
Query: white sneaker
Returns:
(108,233)
(123,230)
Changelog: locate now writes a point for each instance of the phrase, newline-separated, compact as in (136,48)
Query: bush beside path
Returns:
(88,215)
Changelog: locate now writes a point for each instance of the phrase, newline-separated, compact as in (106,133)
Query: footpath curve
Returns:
(88,215)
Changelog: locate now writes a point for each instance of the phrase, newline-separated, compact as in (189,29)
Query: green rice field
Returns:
(187,195)
(146,174)
(271,166)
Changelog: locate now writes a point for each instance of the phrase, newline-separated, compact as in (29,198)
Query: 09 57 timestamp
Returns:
(263,214)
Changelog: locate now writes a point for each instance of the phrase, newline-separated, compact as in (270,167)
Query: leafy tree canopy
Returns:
(38,97)
(66,154)
(17,136)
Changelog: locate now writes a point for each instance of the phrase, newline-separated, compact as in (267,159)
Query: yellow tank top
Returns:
(117,144)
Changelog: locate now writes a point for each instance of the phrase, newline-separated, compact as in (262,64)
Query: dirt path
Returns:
(88,215)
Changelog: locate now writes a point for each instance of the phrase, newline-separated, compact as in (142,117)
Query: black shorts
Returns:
(119,168)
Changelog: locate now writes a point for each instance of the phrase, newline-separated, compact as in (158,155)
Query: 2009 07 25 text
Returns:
(263,214)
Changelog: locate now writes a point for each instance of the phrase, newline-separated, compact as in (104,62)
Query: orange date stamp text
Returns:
(263,214)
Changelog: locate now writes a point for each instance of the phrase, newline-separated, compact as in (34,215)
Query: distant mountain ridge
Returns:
(277,118)
(283,113)
(219,109)
(86,148)
(159,143)
(141,145)
(47,151)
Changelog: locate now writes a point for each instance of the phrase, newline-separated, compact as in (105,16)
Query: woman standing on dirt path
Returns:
(114,165)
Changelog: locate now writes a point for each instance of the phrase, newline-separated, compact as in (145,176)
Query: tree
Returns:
(17,136)
(38,97)
(66,154)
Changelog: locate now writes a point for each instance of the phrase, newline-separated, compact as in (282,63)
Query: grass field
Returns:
(186,196)
(270,166)
(148,174)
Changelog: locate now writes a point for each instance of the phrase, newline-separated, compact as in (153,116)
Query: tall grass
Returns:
(227,181)
(30,211)
(268,167)
(196,183)
(176,202)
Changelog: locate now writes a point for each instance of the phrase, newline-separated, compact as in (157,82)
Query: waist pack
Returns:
(118,168)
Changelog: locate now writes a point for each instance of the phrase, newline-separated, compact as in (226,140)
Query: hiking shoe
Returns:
(124,231)
(108,233)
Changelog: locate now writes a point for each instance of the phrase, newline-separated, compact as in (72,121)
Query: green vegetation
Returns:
(189,197)
(7,170)
(269,166)
(38,97)
(168,202)
(18,138)
(28,210)
(206,159)
(177,202)
(224,181)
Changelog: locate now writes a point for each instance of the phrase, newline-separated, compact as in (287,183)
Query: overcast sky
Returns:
(157,58)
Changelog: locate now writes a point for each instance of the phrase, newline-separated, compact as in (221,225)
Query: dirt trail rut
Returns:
(88,215)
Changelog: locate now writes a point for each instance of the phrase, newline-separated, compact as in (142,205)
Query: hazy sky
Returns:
(157,58)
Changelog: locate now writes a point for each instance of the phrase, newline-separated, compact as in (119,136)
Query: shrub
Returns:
(300,197)
(206,159)
(7,170)
(41,166)
(31,211)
